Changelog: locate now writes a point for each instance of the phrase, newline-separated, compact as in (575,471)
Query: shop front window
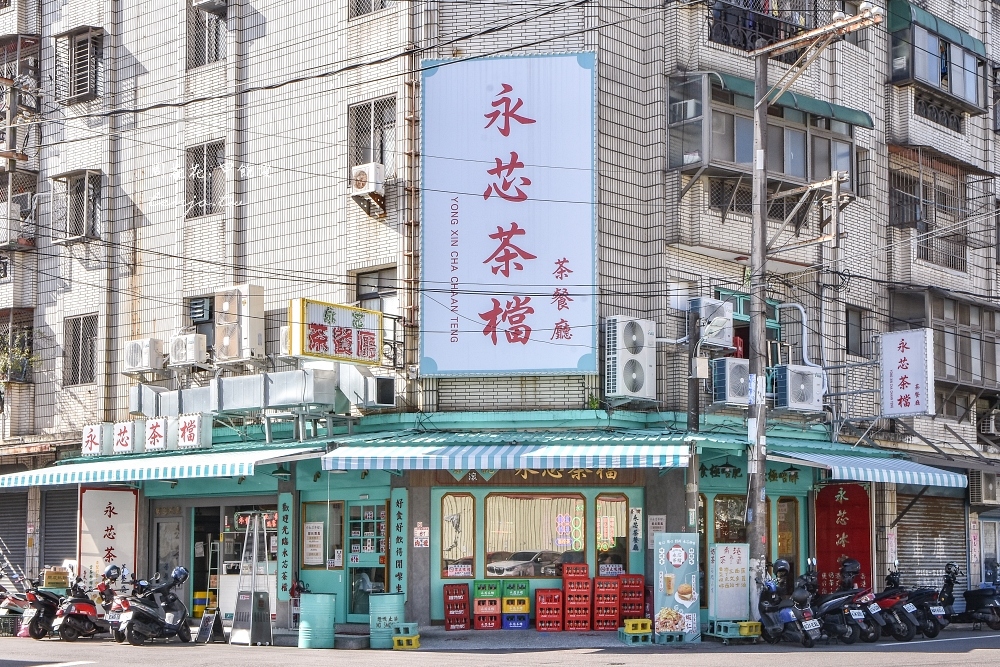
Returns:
(612,535)
(730,525)
(458,536)
(788,533)
(323,535)
(533,535)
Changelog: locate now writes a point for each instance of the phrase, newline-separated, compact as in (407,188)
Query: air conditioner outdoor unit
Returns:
(239,323)
(368,179)
(798,388)
(989,423)
(213,6)
(983,488)
(716,321)
(683,110)
(630,358)
(731,381)
(144,354)
(188,349)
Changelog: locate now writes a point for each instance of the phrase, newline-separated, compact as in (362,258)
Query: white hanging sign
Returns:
(124,438)
(907,373)
(155,434)
(96,440)
(194,431)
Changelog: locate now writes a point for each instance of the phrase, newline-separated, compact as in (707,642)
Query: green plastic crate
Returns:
(483,588)
(515,588)
(635,639)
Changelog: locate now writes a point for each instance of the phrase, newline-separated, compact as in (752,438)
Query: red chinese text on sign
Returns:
(504,174)
(506,111)
(514,314)
(507,254)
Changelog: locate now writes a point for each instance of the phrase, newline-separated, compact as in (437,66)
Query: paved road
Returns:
(951,648)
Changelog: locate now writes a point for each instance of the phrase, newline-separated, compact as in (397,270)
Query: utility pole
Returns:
(693,421)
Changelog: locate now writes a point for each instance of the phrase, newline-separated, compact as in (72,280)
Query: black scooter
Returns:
(789,619)
(982,605)
(158,613)
(42,610)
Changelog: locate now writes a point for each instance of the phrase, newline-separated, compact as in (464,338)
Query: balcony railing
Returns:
(741,23)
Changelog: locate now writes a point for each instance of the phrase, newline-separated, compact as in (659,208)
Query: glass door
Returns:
(366,557)
(988,540)
(168,544)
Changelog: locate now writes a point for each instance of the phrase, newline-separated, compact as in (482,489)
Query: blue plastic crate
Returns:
(516,622)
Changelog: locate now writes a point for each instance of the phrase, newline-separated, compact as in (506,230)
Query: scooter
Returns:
(790,619)
(982,605)
(38,617)
(901,622)
(157,614)
(11,603)
(843,617)
(77,615)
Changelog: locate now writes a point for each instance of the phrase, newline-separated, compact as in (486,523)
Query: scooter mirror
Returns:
(895,563)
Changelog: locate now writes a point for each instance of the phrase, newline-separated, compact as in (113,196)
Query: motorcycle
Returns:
(790,618)
(901,622)
(77,614)
(139,587)
(843,616)
(982,605)
(41,613)
(159,613)
(11,603)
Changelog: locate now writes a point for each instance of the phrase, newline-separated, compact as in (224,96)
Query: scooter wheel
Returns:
(68,634)
(807,641)
(184,634)
(36,630)
(852,636)
(930,628)
(994,622)
(871,636)
(134,638)
(902,630)
(118,635)
(768,637)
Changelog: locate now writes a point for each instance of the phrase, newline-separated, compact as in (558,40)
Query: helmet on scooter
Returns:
(850,567)
(179,575)
(112,572)
(951,570)
(781,566)
(800,596)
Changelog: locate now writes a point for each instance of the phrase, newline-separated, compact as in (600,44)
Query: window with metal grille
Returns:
(206,37)
(80,350)
(76,206)
(4,270)
(736,196)
(362,7)
(855,331)
(79,65)
(206,179)
(371,133)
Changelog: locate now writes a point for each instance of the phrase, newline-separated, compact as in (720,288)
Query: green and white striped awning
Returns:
(511,451)
(870,469)
(169,467)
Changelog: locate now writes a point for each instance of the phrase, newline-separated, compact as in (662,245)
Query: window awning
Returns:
(176,465)
(803,103)
(509,451)
(870,469)
(902,14)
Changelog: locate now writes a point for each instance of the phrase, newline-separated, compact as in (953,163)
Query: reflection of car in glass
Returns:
(522,564)
(554,568)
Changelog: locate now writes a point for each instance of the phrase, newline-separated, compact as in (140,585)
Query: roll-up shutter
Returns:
(59,517)
(13,534)
(930,535)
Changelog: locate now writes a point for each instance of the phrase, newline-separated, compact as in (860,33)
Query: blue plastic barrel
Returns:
(317,615)
(385,611)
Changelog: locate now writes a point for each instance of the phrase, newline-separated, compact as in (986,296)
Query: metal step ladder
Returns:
(252,619)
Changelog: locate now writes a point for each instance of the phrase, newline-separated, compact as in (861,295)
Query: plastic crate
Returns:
(549,614)
(607,585)
(516,621)
(575,571)
(724,628)
(486,606)
(548,597)
(577,613)
(520,605)
(749,629)
(457,624)
(456,592)
(9,626)
(631,595)
(515,588)
(576,625)
(405,629)
(407,643)
(487,622)
(630,610)
(635,639)
(549,624)
(631,582)
(578,599)
(638,626)
(456,609)
(605,624)
(485,589)
(577,586)
(669,638)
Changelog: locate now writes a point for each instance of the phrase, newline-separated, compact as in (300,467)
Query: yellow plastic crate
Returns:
(637,626)
(516,605)
(749,629)
(406,642)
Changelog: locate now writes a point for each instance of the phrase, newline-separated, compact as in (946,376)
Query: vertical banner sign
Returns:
(907,373)
(675,599)
(285,522)
(635,530)
(397,554)
(508,216)
(106,532)
(728,585)
(844,511)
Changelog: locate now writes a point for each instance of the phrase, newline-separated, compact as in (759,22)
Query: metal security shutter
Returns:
(13,533)
(59,515)
(930,535)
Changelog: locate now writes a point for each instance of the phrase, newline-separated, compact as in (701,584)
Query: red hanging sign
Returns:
(843,512)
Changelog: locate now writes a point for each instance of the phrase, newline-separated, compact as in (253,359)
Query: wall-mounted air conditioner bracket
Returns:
(373,204)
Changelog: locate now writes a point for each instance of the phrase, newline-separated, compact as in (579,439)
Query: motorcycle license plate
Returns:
(874,608)
(937,611)
(112,617)
(811,624)
(909,607)
(857,613)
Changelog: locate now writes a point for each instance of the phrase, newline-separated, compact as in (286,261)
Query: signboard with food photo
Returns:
(676,598)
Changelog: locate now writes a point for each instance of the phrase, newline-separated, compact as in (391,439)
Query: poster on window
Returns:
(906,370)
(106,532)
(312,543)
(728,583)
(508,216)
(845,511)
(677,592)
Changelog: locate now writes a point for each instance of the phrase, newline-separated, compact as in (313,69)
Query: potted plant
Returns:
(16,357)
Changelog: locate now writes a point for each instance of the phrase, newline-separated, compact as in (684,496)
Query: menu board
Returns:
(677,594)
(728,587)
(312,543)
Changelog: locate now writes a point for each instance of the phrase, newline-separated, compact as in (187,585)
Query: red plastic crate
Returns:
(456,610)
(578,599)
(577,585)
(549,624)
(456,592)
(457,624)
(576,625)
(577,613)
(549,613)
(606,624)
(487,622)
(606,611)
(606,584)
(648,603)
(632,582)
(632,596)
(631,610)
(486,606)
(545,597)
(576,571)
